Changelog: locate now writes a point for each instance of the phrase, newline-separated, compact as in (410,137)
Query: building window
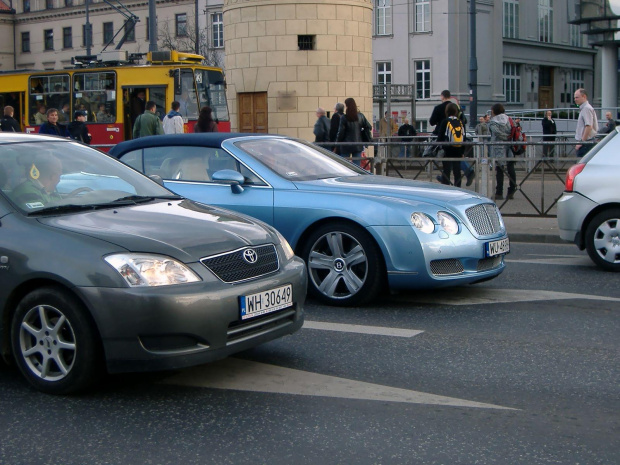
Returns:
(512,82)
(511,19)
(130,32)
(545,20)
(84,44)
(575,36)
(217,25)
(68,2)
(305,42)
(48,39)
(108,33)
(67,37)
(148,31)
(26,6)
(383,17)
(422,15)
(422,79)
(181,25)
(25,41)
(49,4)
(577,80)
(384,73)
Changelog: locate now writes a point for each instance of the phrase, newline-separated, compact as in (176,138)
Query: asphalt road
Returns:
(519,370)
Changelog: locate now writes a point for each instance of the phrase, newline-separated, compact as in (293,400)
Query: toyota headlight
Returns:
(448,222)
(142,270)
(288,250)
(423,222)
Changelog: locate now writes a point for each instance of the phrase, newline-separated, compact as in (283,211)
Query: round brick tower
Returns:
(286,58)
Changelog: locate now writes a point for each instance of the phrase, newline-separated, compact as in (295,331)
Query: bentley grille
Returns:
(485,218)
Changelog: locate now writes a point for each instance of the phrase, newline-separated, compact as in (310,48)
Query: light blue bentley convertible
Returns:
(358,233)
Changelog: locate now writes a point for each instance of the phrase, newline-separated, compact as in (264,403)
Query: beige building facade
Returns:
(284,59)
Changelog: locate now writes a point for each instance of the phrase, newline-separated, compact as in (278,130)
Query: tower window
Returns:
(306,42)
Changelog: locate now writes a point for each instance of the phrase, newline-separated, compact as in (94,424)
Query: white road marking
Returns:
(563,261)
(479,296)
(245,375)
(376,330)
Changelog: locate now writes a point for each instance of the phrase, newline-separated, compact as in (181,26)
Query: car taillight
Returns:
(571,175)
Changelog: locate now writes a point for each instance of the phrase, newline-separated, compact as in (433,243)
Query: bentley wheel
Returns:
(345,266)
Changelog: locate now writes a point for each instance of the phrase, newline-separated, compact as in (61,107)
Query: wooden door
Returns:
(253,112)
(545,97)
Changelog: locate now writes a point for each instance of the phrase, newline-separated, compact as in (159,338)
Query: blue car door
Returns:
(188,170)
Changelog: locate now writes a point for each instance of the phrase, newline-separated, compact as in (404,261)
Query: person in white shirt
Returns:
(173,121)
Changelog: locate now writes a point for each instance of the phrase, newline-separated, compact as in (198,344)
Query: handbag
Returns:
(430,151)
(366,129)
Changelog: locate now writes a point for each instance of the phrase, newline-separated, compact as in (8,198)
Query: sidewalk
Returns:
(533,229)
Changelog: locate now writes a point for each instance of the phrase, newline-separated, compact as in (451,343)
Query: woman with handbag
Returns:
(354,127)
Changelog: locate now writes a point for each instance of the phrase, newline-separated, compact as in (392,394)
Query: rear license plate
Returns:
(266,301)
(497,247)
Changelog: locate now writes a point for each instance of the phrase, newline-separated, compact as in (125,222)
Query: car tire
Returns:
(345,266)
(55,344)
(603,239)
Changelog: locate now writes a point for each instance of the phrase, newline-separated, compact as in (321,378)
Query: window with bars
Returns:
(48,39)
(383,17)
(545,20)
(511,19)
(217,26)
(181,24)
(108,32)
(67,37)
(25,41)
(422,79)
(306,42)
(422,12)
(512,82)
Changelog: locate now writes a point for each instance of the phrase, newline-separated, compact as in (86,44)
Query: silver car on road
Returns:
(589,209)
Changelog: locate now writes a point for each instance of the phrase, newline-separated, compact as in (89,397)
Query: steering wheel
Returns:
(78,191)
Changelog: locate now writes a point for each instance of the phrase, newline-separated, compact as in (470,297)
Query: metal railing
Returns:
(539,179)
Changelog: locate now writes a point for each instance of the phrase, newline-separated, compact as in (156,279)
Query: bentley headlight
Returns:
(448,223)
(423,222)
(141,270)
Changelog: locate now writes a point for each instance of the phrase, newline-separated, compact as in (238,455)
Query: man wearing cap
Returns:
(78,129)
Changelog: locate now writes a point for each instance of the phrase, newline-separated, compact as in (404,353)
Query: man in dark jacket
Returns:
(406,132)
(548,128)
(448,128)
(8,123)
(321,126)
(51,126)
(335,124)
(439,112)
(78,129)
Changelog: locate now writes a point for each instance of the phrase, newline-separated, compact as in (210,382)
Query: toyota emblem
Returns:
(250,256)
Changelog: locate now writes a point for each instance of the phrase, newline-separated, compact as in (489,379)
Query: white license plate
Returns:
(497,247)
(266,301)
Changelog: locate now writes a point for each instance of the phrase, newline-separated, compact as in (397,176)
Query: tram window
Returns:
(95,93)
(49,91)
(212,92)
(187,96)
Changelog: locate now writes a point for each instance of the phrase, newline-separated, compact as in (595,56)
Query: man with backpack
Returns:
(452,130)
